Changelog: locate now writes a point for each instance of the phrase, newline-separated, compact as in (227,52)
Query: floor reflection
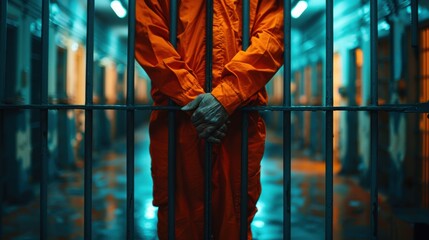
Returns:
(351,202)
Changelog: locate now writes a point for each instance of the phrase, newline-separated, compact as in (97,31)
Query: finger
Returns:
(193,104)
(220,132)
(207,131)
(212,139)
(219,135)
(223,128)
(197,117)
(200,128)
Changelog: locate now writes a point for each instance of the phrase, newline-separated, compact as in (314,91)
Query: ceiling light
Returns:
(299,9)
(383,26)
(118,8)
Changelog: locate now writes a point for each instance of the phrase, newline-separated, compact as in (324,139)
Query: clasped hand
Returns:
(209,117)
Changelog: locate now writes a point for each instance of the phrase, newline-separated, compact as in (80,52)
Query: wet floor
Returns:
(65,204)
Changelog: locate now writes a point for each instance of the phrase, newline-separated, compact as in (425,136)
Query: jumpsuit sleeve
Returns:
(165,67)
(249,71)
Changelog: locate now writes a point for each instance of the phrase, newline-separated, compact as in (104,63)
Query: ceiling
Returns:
(315,10)
(105,14)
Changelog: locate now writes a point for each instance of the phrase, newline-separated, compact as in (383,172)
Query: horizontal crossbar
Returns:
(406,108)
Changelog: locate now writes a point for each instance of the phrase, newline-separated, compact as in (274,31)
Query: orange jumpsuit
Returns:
(239,79)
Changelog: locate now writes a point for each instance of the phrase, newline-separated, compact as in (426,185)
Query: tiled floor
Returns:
(351,202)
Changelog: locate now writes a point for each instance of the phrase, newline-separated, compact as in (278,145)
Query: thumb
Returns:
(193,104)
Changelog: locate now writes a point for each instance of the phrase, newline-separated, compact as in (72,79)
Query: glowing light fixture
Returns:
(118,8)
(383,26)
(299,9)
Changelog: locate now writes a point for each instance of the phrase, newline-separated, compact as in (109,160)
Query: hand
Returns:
(209,115)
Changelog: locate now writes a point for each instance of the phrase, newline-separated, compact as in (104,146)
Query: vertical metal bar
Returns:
(172,136)
(3,38)
(208,146)
(414,24)
(246,24)
(130,118)
(244,132)
(418,77)
(244,173)
(287,122)
(329,101)
(44,122)
(88,120)
(374,118)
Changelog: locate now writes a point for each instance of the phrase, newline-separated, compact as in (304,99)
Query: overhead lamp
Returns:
(118,8)
(299,9)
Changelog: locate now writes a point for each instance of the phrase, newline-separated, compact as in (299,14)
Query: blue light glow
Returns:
(117,7)
(299,9)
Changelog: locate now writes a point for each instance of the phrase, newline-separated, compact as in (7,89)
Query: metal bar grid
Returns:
(329,121)
(44,122)
(130,119)
(130,107)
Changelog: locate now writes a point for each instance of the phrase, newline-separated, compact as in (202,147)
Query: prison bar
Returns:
(3,37)
(44,122)
(44,107)
(287,121)
(329,121)
(374,119)
(244,132)
(414,25)
(172,136)
(404,108)
(208,163)
(130,119)
(89,79)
